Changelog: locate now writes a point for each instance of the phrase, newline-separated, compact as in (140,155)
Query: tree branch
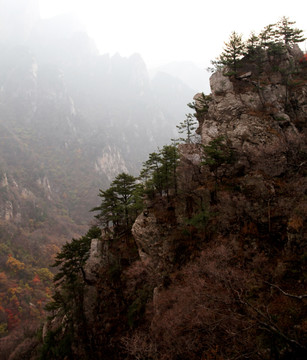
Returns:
(299,297)
(267,324)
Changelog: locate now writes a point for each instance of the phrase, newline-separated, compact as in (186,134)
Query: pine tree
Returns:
(72,258)
(109,208)
(125,186)
(159,171)
(118,206)
(68,299)
(267,36)
(187,127)
(233,52)
(252,44)
(151,173)
(170,159)
(217,154)
(287,33)
(201,105)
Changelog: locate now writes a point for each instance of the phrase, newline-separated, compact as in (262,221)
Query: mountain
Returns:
(195,77)
(215,264)
(71,119)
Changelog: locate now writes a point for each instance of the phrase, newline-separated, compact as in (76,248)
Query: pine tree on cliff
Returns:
(267,37)
(125,186)
(151,173)
(109,208)
(120,203)
(288,34)
(169,164)
(216,155)
(68,300)
(187,127)
(233,52)
(159,171)
(252,44)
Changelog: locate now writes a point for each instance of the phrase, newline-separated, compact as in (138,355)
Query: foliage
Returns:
(201,105)
(56,346)
(14,264)
(3,329)
(159,171)
(216,154)
(45,274)
(73,256)
(199,220)
(287,33)
(187,127)
(138,306)
(233,52)
(121,202)
(215,308)
(273,39)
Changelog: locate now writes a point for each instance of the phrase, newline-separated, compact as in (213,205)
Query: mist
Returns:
(88,90)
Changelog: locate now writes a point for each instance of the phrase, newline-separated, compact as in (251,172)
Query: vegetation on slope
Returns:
(232,281)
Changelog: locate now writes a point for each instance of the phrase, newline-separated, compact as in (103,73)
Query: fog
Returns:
(186,34)
(163,31)
(89,90)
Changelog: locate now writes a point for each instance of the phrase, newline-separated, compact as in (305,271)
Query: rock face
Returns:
(255,118)
(110,163)
(152,237)
(234,223)
(262,117)
(94,259)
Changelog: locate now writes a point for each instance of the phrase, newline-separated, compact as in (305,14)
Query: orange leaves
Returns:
(3,278)
(303,60)
(14,264)
(36,280)
(12,319)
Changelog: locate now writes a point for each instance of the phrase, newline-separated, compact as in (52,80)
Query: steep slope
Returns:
(70,121)
(239,237)
(216,268)
(235,258)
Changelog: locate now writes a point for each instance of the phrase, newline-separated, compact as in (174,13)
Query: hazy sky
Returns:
(173,30)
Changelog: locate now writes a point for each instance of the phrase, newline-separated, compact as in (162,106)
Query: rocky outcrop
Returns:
(110,163)
(246,218)
(153,239)
(265,128)
(256,119)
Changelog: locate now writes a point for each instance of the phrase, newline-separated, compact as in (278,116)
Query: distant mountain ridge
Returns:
(194,76)
(70,121)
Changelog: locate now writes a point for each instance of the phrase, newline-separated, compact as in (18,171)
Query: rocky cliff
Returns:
(265,129)
(232,243)
(245,219)
(216,268)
